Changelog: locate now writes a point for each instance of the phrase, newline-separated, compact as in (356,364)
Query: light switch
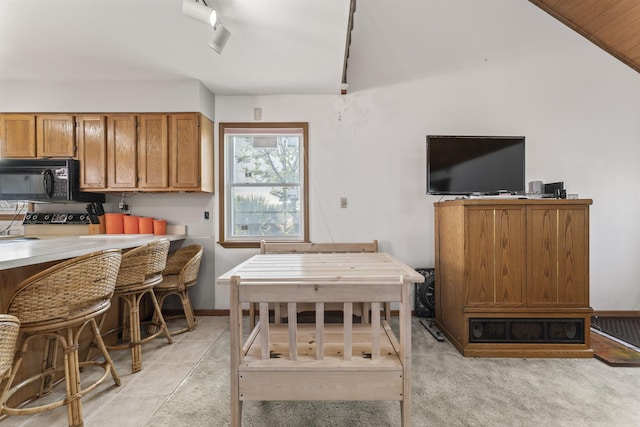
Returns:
(343,202)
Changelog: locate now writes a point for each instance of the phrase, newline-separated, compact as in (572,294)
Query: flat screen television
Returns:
(468,165)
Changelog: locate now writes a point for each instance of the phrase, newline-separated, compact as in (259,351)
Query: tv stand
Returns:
(506,196)
(512,277)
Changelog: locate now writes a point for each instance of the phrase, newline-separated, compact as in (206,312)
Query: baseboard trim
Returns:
(616,313)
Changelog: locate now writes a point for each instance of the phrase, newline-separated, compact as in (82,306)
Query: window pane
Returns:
(265,158)
(265,211)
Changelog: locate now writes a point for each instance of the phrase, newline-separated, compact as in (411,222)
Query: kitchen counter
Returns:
(20,252)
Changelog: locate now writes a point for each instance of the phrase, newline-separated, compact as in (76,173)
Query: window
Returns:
(263,183)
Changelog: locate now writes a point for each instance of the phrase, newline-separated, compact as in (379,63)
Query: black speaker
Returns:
(424,301)
(484,330)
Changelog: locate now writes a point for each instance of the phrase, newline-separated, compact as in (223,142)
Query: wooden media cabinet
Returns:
(512,276)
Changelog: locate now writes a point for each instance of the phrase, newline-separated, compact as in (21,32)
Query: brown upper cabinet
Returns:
(122,150)
(191,148)
(31,135)
(92,151)
(153,152)
(146,152)
(17,135)
(55,136)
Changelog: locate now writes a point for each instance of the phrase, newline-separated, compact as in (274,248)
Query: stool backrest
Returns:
(185,262)
(68,289)
(9,327)
(143,262)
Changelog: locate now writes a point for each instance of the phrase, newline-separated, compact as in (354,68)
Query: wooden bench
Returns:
(361,361)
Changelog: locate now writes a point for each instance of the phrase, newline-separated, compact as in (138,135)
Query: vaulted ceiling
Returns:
(287,46)
(613,25)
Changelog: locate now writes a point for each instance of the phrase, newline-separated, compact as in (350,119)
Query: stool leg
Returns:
(188,310)
(134,332)
(163,324)
(72,380)
(48,366)
(103,349)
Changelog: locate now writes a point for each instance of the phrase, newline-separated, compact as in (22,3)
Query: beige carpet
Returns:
(448,390)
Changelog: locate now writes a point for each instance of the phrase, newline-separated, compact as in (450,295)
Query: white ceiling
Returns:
(276,46)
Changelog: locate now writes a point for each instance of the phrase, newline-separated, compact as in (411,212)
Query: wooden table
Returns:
(344,361)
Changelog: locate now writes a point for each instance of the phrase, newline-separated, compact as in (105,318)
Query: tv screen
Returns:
(468,165)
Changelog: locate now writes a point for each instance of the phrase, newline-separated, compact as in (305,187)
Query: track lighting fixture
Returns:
(200,11)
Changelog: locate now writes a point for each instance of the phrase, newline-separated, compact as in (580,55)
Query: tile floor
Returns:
(164,367)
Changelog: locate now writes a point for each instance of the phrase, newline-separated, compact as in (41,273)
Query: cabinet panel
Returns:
(510,264)
(543,249)
(495,256)
(55,135)
(92,151)
(153,151)
(479,274)
(185,151)
(18,135)
(573,265)
(122,151)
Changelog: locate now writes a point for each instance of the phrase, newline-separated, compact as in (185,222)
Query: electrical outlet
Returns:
(343,202)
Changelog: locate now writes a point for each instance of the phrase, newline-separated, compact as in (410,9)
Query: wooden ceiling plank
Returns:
(623,33)
(616,10)
(612,25)
(582,12)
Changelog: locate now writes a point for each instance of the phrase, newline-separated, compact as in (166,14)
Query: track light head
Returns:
(199,12)
(220,37)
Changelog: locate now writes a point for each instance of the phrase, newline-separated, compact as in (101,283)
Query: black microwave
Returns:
(43,180)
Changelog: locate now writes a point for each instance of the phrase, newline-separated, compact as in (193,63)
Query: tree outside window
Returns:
(264,183)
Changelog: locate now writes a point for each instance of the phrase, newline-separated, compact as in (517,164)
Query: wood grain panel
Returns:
(613,25)
(122,151)
(542,282)
(153,151)
(92,151)
(55,135)
(479,275)
(510,244)
(18,136)
(573,266)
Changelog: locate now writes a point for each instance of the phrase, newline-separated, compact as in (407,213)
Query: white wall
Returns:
(578,107)
(106,96)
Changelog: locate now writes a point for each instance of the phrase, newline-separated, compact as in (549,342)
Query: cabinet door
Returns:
(558,256)
(92,151)
(495,254)
(153,151)
(122,173)
(185,152)
(18,135)
(55,135)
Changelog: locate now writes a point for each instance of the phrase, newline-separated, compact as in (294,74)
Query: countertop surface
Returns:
(20,252)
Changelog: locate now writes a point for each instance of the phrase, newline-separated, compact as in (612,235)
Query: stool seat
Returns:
(58,303)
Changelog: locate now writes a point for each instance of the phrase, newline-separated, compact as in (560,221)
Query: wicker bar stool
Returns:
(57,304)
(140,271)
(9,327)
(180,274)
